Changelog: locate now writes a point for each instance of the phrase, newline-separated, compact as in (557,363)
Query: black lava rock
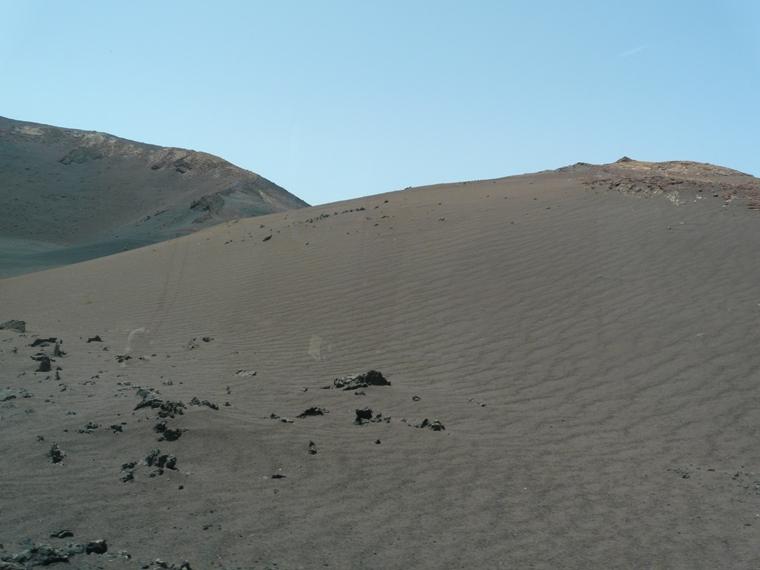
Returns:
(38,555)
(14,325)
(167,433)
(364,414)
(56,454)
(197,402)
(371,378)
(128,472)
(313,411)
(284,420)
(45,363)
(96,547)
(435,425)
(89,427)
(161,461)
(166,408)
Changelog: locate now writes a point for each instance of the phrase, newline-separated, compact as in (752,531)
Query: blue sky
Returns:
(337,99)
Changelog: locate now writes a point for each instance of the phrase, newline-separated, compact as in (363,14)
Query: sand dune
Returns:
(71,195)
(587,337)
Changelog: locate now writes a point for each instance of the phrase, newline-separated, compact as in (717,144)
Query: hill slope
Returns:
(588,338)
(70,195)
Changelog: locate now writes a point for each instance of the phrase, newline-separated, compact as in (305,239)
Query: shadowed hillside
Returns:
(70,195)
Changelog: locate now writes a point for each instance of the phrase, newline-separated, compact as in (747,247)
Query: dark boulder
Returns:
(371,378)
(96,547)
(313,411)
(56,454)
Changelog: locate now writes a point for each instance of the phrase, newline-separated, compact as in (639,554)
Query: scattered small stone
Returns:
(38,555)
(159,564)
(95,338)
(313,411)
(435,425)
(160,461)
(207,338)
(61,534)
(378,442)
(116,428)
(14,325)
(45,363)
(124,554)
(44,341)
(46,555)
(167,434)
(685,474)
(128,471)
(365,416)
(284,420)
(312,448)
(56,454)
(121,358)
(89,427)
(13,393)
(279,476)
(196,402)
(58,351)
(267,238)
(245,373)
(416,398)
(166,408)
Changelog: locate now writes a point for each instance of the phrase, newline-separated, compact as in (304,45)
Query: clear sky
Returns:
(338,99)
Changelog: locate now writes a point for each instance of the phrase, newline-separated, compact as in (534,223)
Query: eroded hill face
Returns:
(70,195)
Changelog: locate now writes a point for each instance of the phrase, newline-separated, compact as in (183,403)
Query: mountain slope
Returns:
(588,338)
(70,195)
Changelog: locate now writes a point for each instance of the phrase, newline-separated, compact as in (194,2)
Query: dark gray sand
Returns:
(573,365)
